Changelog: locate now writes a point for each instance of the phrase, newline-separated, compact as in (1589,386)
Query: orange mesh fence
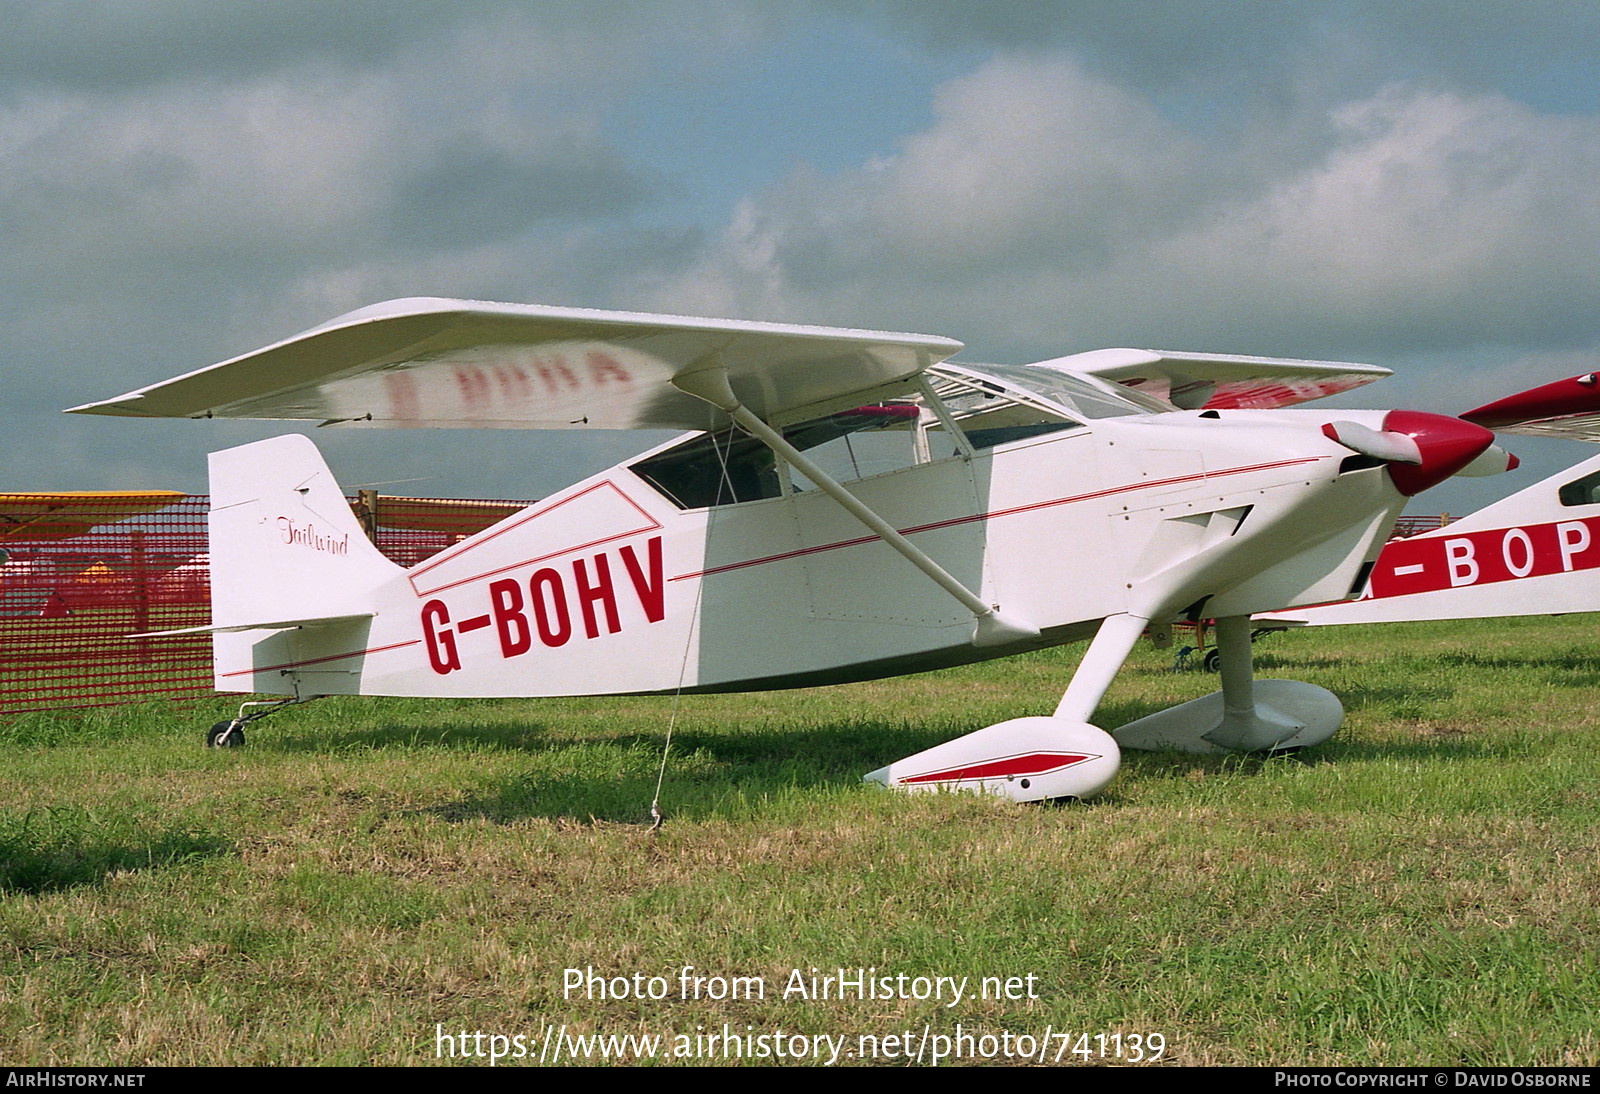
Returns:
(409,530)
(1410,526)
(80,573)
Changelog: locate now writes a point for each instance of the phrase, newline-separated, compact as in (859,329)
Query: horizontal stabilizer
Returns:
(277,625)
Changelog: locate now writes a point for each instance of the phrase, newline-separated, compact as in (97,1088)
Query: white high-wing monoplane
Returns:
(988,510)
(1536,552)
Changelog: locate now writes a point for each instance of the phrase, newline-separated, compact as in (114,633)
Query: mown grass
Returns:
(1422,889)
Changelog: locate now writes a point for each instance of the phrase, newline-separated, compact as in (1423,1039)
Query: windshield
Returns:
(1090,396)
(987,407)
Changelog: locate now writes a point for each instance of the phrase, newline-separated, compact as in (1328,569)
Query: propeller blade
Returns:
(1384,445)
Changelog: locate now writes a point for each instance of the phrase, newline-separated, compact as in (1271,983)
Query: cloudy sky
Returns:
(1408,184)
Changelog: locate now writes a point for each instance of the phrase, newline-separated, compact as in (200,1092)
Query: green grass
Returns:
(1422,889)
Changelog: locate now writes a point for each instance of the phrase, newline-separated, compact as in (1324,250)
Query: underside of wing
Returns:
(65,515)
(1568,408)
(446,516)
(436,362)
(1205,381)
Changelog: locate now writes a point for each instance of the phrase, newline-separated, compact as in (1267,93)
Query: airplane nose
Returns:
(1445,444)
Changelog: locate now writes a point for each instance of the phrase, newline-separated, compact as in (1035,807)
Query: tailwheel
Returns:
(229,734)
(1213,659)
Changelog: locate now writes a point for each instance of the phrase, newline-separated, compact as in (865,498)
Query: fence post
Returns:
(140,573)
(367,512)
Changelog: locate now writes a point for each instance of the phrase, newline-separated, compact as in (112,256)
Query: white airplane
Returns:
(1536,552)
(990,510)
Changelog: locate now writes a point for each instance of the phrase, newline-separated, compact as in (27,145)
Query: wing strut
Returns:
(993,629)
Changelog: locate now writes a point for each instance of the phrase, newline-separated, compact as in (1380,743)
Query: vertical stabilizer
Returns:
(285,546)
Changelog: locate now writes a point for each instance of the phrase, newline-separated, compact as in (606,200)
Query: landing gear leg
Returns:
(1034,759)
(230,734)
(1246,715)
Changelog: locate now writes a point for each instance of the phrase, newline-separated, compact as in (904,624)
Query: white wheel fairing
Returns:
(1287,714)
(1024,759)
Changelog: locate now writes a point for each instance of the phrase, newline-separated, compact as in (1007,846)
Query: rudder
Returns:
(285,546)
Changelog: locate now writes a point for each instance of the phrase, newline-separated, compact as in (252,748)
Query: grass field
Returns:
(368,879)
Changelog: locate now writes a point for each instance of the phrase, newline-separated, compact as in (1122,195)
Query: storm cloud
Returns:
(181,182)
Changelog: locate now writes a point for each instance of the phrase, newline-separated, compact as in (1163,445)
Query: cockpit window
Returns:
(730,466)
(992,406)
(1584,491)
(991,413)
(712,469)
(1089,396)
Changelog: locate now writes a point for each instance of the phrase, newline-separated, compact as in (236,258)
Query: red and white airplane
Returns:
(1536,552)
(848,505)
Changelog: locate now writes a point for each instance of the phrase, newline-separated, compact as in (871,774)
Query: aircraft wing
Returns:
(450,516)
(1209,381)
(1568,408)
(68,514)
(435,362)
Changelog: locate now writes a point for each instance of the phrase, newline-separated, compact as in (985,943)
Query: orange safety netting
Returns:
(1410,526)
(81,572)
